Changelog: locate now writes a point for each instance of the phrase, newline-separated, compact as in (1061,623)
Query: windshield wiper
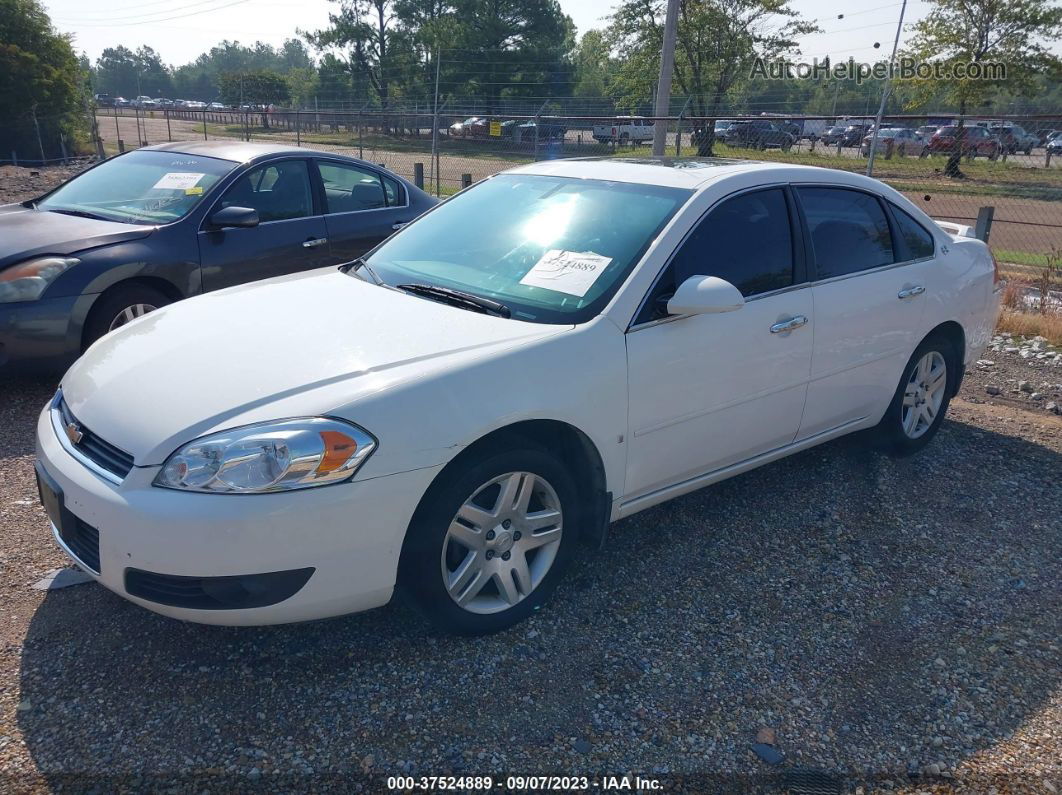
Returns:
(357,264)
(78,213)
(459,298)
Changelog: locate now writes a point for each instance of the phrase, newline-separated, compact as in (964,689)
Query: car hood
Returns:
(26,233)
(302,345)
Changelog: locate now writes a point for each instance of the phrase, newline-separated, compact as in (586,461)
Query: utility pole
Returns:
(885,93)
(435,123)
(663,85)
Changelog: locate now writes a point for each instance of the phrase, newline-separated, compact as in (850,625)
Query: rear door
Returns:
(870,285)
(291,234)
(363,207)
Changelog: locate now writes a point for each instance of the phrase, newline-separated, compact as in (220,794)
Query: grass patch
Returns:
(1028,324)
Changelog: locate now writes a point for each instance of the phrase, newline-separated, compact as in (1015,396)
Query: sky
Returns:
(181,29)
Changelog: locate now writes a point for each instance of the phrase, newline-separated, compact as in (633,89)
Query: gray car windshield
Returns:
(142,187)
(551,249)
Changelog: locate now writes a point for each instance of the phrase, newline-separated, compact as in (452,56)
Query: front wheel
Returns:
(491,540)
(921,399)
(120,305)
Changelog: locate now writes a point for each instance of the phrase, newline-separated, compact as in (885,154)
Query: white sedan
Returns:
(556,348)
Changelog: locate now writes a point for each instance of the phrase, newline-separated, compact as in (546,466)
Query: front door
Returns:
(363,207)
(290,235)
(707,391)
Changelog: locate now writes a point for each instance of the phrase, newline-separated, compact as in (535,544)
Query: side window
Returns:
(918,241)
(278,191)
(349,188)
(746,240)
(849,231)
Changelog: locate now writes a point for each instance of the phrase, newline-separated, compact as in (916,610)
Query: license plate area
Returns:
(81,539)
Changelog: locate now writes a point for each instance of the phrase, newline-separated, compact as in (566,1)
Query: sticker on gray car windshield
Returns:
(177,180)
(570,272)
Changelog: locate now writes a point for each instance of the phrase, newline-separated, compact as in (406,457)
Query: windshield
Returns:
(552,249)
(142,187)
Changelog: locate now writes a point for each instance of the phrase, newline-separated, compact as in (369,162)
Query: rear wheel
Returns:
(491,540)
(119,306)
(921,399)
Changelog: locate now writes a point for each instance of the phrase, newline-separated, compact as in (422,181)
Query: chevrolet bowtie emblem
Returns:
(73,432)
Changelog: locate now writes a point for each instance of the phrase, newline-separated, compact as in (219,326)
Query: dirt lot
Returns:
(896,623)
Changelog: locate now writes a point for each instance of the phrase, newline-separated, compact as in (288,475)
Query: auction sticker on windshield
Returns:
(177,180)
(570,272)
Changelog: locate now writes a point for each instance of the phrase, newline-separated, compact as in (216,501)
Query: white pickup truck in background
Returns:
(624,130)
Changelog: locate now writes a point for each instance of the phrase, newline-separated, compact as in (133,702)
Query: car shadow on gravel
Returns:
(881,616)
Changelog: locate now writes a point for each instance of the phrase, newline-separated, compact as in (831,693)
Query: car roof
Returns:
(238,151)
(691,173)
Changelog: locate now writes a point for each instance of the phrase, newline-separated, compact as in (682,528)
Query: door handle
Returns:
(788,325)
(399,225)
(910,292)
(314,242)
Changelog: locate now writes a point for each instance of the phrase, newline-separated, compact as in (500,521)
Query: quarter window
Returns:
(849,231)
(918,241)
(278,191)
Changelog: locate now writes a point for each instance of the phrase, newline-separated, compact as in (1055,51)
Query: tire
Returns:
(900,433)
(130,300)
(452,553)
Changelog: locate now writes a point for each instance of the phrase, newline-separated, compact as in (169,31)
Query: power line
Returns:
(165,19)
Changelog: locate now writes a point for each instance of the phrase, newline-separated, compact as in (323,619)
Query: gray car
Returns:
(165,222)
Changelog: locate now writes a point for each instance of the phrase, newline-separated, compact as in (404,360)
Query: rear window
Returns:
(913,235)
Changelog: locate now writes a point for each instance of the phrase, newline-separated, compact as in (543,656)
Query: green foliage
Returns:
(1016,33)
(121,72)
(254,88)
(39,78)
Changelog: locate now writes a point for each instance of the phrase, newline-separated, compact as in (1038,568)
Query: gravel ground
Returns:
(893,623)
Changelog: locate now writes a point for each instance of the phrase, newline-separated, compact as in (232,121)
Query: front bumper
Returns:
(42,335)
(350,534)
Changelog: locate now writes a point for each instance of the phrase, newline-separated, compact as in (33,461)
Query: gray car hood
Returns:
(26,233)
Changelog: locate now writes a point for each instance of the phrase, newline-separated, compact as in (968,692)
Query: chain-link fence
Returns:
(1008,163)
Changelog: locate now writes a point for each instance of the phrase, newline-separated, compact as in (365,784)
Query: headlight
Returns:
(269,456)
(28,280)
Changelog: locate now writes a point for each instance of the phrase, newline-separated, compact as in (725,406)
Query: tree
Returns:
(39,80)
(1015,33)
(254,88)
(368,29)
(718,42)
(591,63)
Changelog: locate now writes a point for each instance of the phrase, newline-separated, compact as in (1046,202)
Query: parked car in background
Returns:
(547,130)
(122,102)
(103,100)
(624,130)
(1054,144)
(217,106)
(925,132)
(854,134)
(542,354)
(145,103)
(899,140)
(971,141)
(756,134)
(1013,138)
(163,102)
(473,125)
(160,223)
(831,135)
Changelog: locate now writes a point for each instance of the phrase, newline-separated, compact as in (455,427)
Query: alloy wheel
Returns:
(502,542)
(130,313)
(924,394)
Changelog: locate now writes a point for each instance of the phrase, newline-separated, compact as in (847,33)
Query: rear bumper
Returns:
(42,336)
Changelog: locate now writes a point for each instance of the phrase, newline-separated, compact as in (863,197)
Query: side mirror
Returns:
(703,295)
(240,217)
